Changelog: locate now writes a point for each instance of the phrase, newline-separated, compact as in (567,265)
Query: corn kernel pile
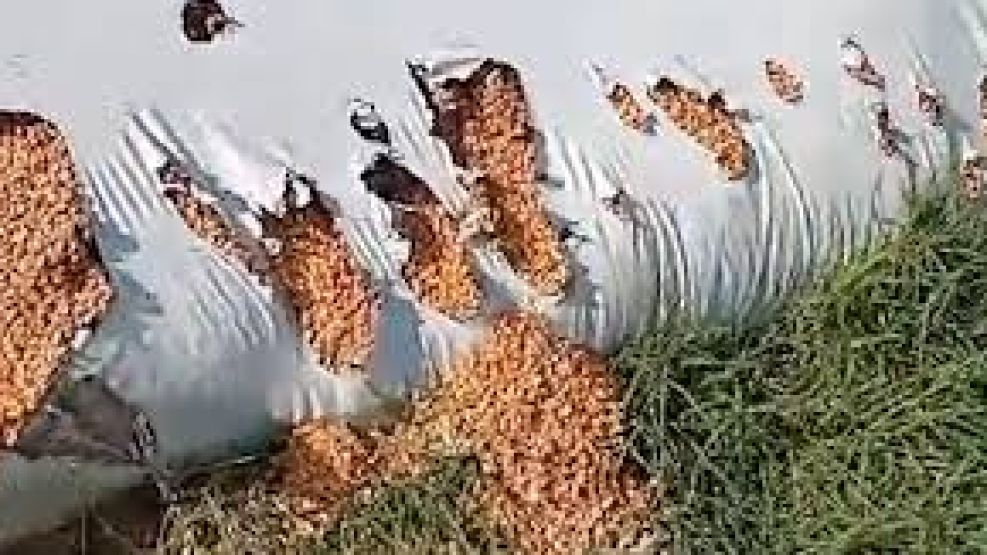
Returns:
(439,269)
(542,415)
(51,283)
(334,303)
(629,110)
(785,83)
(207,223)
(487,123)
(707,121)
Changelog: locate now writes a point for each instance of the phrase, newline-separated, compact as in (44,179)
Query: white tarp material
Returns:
(208,354)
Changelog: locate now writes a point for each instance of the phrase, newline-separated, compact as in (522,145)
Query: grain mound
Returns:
(543,417)
(786,84)
(708,121)
(333,301)
(51,280)
(487,122)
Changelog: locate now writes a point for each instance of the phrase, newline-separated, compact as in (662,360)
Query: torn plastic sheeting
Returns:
(413,344)
(222,347)
(426,156)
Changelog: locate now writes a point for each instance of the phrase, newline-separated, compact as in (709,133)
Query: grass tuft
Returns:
(855,421)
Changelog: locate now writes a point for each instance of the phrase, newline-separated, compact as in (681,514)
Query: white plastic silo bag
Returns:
(207,356)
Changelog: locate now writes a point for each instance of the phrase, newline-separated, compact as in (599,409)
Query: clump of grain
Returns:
(629,110)
(439,267)
(209,225)
(785,83)
(543,418)
(51,280)
(332,298)
(708,121)
(487,122)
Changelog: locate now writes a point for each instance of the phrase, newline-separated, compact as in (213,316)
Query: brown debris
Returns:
(487,123)
(204,20)
(858,65)
(708,121)
(785,83)
(52,283)
(332,298)
(543,417)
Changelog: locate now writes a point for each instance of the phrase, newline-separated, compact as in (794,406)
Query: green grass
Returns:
(854,422)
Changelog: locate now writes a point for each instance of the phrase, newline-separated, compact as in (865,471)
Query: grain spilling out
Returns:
(543,417)
(487,122)
(629,110)
(439,268)
(332,298)
(786,84)
(52,281)
(707,120)
(205,221)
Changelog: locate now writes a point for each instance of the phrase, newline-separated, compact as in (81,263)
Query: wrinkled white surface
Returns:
(208,353)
